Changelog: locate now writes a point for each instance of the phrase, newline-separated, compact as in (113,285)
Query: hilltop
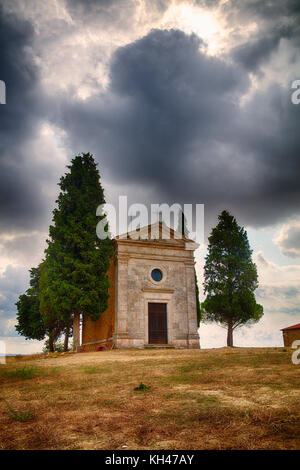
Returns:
(229,398)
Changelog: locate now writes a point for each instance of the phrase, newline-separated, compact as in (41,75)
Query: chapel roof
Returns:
(293,327)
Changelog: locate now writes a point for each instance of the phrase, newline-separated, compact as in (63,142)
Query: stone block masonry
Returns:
(126,321)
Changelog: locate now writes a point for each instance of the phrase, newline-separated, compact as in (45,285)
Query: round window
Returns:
(156,275)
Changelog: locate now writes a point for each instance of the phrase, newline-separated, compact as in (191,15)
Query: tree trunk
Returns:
(76,331)
(51,341)
(230,335)
(66,342)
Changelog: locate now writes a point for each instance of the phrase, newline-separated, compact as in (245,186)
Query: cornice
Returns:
(153,289)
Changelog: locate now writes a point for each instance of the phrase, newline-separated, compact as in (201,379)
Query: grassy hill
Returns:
(208,399)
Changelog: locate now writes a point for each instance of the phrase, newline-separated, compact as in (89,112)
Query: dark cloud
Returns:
(106,10)
(275,21)
(20,201)
(164,98)
(171,121)
(269,10)
(114,13)
(252,55)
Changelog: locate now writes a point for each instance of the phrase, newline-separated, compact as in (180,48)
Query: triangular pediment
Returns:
(159,232)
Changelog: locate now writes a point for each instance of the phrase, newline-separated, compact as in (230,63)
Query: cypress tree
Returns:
(77,260)
(198,305)
(230,278)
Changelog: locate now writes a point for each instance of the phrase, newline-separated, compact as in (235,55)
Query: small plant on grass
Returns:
(90,370)
(19,415)
(209,401)
(141,388)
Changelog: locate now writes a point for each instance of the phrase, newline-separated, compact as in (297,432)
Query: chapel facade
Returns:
(152,292)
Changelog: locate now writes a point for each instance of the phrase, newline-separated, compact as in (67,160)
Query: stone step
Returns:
(159,346)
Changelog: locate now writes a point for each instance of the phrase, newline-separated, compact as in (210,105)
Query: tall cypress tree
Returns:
(230,278)
(198,305)
(77,260)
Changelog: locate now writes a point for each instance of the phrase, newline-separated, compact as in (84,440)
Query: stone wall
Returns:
(98,334)
(125,322)
(135,288)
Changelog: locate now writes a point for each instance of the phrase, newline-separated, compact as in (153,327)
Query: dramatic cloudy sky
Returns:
(179,101)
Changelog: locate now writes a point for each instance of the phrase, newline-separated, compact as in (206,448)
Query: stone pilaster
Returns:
(121,331)
(192,335)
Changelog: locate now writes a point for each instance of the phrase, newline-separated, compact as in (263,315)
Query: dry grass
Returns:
(207,399)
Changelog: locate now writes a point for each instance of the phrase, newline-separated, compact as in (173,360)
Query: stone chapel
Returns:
(152,291)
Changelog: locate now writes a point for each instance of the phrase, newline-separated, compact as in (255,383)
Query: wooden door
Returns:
(157,323)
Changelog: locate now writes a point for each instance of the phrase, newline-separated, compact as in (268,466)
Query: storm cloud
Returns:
(273,23)
(172,113)
(172,120)
(20,203)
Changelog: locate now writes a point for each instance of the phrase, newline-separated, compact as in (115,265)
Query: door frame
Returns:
(166,317)
(161,298)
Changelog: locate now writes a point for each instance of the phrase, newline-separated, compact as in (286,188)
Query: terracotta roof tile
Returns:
(293,327)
